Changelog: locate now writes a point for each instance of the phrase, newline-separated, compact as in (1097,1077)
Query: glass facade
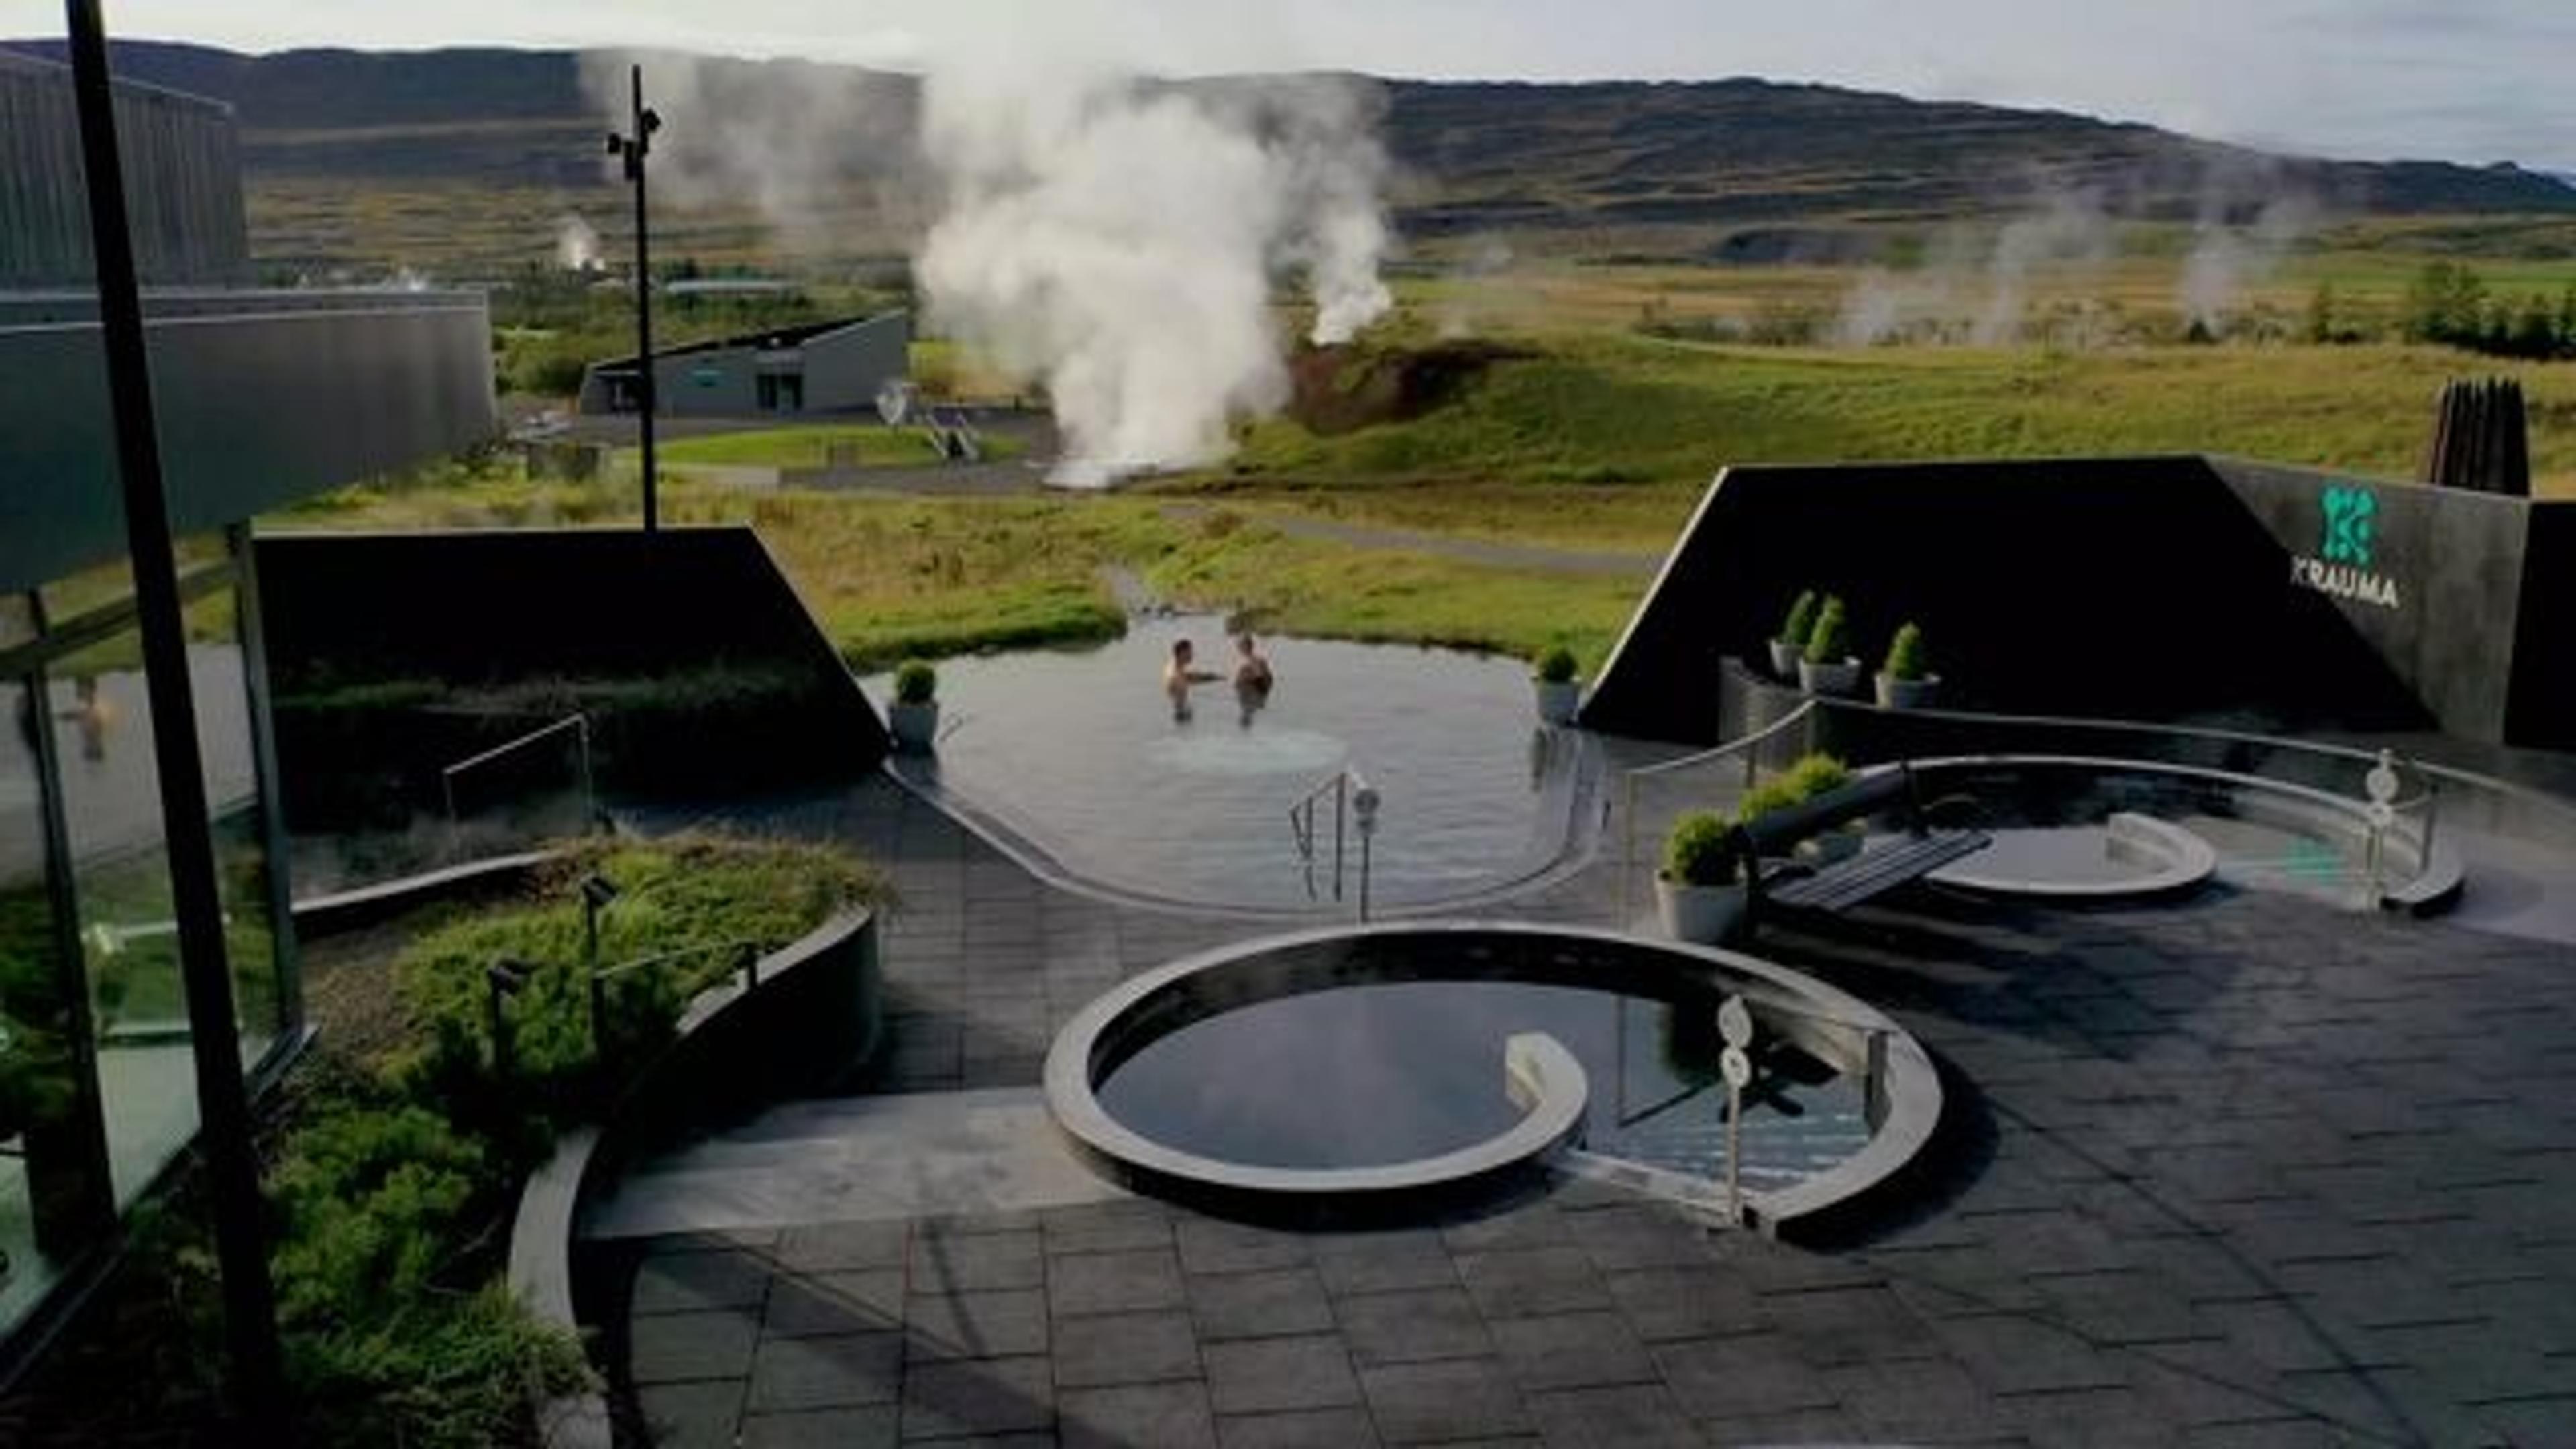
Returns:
(97,1084)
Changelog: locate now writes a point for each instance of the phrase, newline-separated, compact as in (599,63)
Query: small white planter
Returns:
(915,726)
(1701,915)
(1784,659)
(1836,679)
(1558,702)
(1894,693)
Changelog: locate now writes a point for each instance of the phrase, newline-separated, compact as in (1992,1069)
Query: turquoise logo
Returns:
(2352,517)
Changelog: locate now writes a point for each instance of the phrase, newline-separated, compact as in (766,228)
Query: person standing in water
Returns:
(1252,678)
(1180,676)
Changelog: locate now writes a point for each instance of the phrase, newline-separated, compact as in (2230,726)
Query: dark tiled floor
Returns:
(2246,1170)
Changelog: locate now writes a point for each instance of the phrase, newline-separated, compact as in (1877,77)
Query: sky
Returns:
(2460,80)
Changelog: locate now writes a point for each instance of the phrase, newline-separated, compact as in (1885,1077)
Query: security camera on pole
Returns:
(632,148)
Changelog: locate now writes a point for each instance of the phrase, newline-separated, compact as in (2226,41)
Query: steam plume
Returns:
(576,244)
(1116,238)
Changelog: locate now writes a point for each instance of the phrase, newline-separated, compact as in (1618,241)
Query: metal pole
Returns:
(223,1102)
(1341,812)
(641,140)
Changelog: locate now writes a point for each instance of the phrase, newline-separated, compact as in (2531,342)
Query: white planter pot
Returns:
(1894,693)
(1784,659)
(1701,915)
(1558,702)
(915,726)
(1837,679)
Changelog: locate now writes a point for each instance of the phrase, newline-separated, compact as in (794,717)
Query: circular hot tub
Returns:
(1400,1069)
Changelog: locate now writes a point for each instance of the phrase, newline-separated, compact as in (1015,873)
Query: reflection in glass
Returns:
(128,928)
(50,1199)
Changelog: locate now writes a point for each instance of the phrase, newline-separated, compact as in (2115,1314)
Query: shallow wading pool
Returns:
(1078,758)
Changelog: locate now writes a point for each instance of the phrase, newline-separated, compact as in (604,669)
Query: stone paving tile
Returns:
(1420,1323)
(1267,1375)
(965,1262)
(1571,1351)
(1383,1263)
(1662,1304)
(1728,1378)
(876,1427)
(1108,1227)
(854,1302)
(1831,1326)
(1163,1415)
(1259,1305)
(981,1397)
(1003,1323)
(1629,1416)
(1531,1281)
(1304,1429)
(1114,1282)
(693,1282)
(673,1347)
(1453,1399)
(835,1247)
(1125,1348)
(692,1415)
(826,1373)
(1212,1246)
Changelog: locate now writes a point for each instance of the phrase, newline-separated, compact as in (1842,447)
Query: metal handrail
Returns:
(578,723)
(748,948)
(1354,800)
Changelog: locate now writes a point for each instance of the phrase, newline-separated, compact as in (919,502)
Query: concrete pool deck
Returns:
(2242,1170)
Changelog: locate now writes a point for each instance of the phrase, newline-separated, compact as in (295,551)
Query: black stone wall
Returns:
(2142,588)
(352,618)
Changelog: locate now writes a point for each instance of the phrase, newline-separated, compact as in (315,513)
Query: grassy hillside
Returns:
(1586,415)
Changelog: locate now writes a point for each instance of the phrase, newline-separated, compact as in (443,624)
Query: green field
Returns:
(1585,434)
(869,445)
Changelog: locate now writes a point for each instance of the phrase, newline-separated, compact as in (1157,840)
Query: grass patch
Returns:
(812,445)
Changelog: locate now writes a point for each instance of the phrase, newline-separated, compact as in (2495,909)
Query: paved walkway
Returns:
(2248,1170)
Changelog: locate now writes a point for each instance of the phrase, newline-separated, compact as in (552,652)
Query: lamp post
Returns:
(505,977)
(631,148)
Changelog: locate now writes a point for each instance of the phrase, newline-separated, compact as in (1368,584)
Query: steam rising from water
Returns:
(1116,239)
(576,244)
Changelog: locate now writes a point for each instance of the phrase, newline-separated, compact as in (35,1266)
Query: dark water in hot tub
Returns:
(1372,1074)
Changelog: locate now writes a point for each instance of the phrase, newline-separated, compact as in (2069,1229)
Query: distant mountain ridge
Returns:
(1475,156)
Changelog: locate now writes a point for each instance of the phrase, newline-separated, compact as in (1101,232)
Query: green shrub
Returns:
(1817,773)
(1831,641)
(1554,665)
(1811,776)
(915,682)
(701,902)
(1697,851)
(1801,622)
(1905,657)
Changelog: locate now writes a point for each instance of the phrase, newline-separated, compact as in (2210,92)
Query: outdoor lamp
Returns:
(505,977)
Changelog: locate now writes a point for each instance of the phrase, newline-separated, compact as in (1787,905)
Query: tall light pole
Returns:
(631,148)
(223,1103)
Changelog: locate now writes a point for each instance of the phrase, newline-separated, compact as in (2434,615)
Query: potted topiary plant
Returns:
(1699,894)
(914,716)
(1560,693)
(1828,666)
(1811,776)
(1791,642)
(1906,680)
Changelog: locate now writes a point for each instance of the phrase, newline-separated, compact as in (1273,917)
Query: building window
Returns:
(53,1191)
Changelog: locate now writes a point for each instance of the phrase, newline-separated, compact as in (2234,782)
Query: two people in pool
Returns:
(1252,678)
